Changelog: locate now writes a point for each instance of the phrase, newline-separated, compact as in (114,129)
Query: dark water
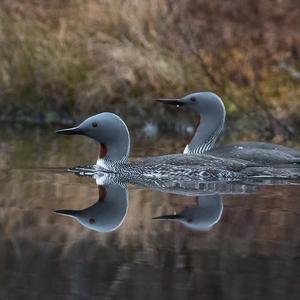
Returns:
(252,252)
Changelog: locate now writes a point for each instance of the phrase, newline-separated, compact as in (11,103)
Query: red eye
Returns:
(94,124)
(189,220)
(193,99)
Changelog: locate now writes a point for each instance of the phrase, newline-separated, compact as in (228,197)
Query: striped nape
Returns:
(201,148)
(110,165)
(197,146)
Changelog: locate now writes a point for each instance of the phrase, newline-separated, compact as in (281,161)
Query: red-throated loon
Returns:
(110,131)
(211,112)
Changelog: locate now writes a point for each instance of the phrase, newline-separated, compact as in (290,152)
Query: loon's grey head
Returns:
(211,112)
(107,214)
(201,102)
(110,131)
(201,217)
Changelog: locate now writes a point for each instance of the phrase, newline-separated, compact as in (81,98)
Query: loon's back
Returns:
(159,171)
(193,166)
(257,152)
(206,167)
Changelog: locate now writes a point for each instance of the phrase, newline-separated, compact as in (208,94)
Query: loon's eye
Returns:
(190,220)
(92,221)
(94,124)
(193,99)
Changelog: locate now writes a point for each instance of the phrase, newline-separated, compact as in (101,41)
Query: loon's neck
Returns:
(115,150)
(111,160)
(210,126)
(109,165)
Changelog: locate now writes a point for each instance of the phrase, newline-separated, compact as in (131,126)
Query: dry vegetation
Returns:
(78,57)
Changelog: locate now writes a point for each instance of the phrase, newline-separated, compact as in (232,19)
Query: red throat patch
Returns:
(102,151)
(196,127)
(102,192)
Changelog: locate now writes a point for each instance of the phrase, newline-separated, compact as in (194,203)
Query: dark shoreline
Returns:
(150,126)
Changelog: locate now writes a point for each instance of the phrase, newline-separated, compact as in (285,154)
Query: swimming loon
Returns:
(110,131)
(202,216)
(211,112)
(108,213)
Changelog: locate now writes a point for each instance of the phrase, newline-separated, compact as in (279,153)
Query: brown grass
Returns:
(77,57)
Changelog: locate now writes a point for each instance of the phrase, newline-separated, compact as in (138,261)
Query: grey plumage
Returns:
(258,152)
(212,117)
(112,134)
(212,114)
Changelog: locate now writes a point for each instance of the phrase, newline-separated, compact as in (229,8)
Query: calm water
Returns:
(252,252)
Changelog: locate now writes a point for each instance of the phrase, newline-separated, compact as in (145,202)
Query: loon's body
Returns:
(259,152)
(206,167)
(112,134)
(211,112)
(169,168)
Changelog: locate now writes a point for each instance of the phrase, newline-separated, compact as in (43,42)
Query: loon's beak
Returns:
(73,130)
(68,213)
(177,102)
(168,217)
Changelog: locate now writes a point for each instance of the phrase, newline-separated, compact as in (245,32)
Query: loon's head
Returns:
(203,103)
(201,217)
(211,112)
(107,214)
(110,131)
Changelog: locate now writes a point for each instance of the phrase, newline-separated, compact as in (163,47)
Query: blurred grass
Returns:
(75,58)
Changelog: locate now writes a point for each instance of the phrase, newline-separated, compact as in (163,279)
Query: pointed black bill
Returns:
(168,217)
(73,130)
(177,102)
(68,212)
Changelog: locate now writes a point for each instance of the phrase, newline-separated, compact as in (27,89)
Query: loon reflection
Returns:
(202,217)
(107,214)
(211,119)
(110,131)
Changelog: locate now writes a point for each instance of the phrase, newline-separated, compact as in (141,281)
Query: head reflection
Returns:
(202,216)
(107,214)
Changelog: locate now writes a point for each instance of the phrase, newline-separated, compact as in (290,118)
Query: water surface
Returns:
(253,252)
